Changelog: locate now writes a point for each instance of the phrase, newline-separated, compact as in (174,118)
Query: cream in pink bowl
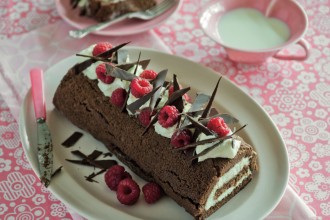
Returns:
(253,30)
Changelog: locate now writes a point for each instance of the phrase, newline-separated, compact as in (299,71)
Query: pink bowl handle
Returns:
(37,86)
(304,44)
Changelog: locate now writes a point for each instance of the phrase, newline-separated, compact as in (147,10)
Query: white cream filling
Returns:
(234,171)
(227,149)
(165,132)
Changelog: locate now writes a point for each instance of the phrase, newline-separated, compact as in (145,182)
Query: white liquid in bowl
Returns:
(249,29)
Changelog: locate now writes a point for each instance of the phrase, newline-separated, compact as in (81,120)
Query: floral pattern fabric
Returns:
(295,94)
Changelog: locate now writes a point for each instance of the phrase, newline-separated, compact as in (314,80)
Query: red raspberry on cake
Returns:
(114,175)
(101,73)
(145,116)
(101,48)
(185,96)
(118,97)
(152,192)
(148,74)
(181,138)
(128,192)
(140,87)
(168,116)
(219,126)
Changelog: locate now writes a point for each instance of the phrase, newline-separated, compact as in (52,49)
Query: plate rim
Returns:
(22,131)
(106,31)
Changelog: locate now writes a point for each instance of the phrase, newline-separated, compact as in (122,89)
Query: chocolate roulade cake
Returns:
(149,122)
(102,10)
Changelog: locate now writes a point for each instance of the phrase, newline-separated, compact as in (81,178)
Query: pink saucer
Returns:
(126,27)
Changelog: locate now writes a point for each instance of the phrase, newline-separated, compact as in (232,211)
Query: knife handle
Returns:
(37,86)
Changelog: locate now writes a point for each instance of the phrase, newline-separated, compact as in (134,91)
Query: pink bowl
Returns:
(289,11)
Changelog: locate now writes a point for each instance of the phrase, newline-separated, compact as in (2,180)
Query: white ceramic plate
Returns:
(126,27)
(96,201)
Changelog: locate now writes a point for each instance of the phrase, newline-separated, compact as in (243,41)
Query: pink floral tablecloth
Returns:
(295,94)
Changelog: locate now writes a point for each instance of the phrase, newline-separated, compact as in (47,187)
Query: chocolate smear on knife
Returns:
(72,140)
(157,83)
(57,171)
(134,106)
(175,95)
(78,68)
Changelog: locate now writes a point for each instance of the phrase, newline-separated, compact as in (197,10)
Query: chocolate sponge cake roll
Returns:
(197,160)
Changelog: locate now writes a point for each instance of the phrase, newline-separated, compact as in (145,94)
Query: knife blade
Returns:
(45,144)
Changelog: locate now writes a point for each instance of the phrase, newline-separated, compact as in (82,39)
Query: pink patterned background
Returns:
(295,94)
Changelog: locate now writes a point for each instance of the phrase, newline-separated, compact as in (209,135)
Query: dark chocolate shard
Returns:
(213,112)
(91,177)
(72,140)
(134,106)
(207,141)
(178,103)
(197,107)
(206,150)
(78,68)
(175,95)
(121,56)
(90,158)
(209,104)
(102,164)
(199,126)
(119,73)
(226,117)
(127,66)
(158,82)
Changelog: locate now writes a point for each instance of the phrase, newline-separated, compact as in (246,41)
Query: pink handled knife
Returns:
(45,146)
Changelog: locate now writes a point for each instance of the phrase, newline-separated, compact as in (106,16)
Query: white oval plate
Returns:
(96,201)
(126,27)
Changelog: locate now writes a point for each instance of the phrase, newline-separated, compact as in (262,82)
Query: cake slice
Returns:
(194,164)
(103,10)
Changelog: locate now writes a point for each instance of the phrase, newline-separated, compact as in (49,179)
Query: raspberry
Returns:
(219,126)
(128,191)
(114,175)
(101,73)
(148,74)
(101,48)
(145,116)
(185,96)
(152,192)
(140,87)
(181,138)
(118,97)
(168,116)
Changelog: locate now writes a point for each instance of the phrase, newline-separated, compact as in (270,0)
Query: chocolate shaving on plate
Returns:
(72,140)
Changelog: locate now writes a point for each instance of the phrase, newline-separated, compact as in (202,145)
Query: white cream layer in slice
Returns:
(232,173)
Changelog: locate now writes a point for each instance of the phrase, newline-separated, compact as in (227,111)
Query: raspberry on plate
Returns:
(148,74)
(140,87)
(128,191)
(118,97)
(168,116)
(181,138)
(101,48)
(101,73)
(114,175)
(145,116)
(219,126)
(152,192)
